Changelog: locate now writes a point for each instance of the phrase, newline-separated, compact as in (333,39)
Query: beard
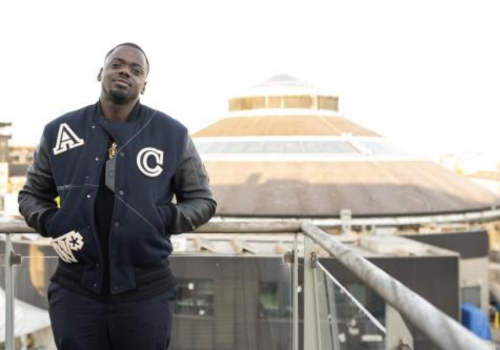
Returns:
(118,96)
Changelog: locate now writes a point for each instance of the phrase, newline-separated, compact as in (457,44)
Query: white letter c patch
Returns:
(142,161)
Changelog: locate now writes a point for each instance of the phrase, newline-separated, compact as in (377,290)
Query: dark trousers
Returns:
(82,323)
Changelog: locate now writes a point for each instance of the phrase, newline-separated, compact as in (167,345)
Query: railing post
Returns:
(9,295)
(398,335)
(296,287)
(311,319)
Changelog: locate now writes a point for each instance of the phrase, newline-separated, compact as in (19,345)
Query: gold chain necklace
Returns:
(112,150)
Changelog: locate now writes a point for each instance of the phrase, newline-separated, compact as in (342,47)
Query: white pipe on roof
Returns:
(473,216)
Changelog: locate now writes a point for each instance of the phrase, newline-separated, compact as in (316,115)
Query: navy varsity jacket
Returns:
(155,160)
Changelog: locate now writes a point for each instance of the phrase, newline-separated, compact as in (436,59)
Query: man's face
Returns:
(123,76)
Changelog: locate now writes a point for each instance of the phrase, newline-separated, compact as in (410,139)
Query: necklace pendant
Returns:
(112,150)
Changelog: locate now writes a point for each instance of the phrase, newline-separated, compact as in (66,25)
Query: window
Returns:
(274,300)
(298,101)
(245,103)
(328,147)
(330,103)
(472,295)
(274,102)
(196,297)
(276,147)
(234,104)
(383,148)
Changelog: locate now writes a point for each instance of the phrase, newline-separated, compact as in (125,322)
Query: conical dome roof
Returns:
(281,153)
(283,80)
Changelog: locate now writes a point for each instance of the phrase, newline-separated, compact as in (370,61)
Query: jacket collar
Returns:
(133,116)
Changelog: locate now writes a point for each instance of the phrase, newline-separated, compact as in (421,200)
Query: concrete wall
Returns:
(474,273)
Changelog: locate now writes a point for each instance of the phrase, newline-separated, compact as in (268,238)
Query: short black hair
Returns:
(135,46)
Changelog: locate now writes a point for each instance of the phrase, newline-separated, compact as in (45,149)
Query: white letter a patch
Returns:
(66,139)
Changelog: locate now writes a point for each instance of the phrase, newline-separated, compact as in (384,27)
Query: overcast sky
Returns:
(425,74)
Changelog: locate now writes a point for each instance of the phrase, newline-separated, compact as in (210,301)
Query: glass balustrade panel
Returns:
(344,322)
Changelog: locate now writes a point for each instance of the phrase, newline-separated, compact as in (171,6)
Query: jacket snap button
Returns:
(121,192)
(93,126)
(122,154)
(117,224)
(95,285)
(96,159)
(88,196)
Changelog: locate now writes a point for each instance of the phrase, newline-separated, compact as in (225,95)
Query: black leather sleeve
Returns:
(36,199)
(195,201)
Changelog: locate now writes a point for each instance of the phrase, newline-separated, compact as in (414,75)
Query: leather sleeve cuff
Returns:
(44,221)
(170,214)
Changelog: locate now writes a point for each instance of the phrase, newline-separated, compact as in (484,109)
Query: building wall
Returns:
(4,148)
(474,280)
(473,248)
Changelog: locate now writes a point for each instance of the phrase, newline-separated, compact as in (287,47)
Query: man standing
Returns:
(116,167)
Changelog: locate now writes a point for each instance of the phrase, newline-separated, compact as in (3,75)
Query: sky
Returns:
(424,74)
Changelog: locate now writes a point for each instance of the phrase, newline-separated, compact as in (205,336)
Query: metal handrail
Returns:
(284,226)
(440,328)
(437,326)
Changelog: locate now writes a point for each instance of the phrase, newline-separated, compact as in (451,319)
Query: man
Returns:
(116,166)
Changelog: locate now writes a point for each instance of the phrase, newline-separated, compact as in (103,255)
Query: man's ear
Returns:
(144,88)
(99,76)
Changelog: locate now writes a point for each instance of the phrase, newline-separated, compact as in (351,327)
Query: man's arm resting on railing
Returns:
(36,199)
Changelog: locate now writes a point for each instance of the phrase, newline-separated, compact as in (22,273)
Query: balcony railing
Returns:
(307,308)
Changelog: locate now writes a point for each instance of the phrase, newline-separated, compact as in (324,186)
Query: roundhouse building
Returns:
(284,151)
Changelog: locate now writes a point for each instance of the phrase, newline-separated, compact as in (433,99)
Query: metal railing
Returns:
(441,329)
